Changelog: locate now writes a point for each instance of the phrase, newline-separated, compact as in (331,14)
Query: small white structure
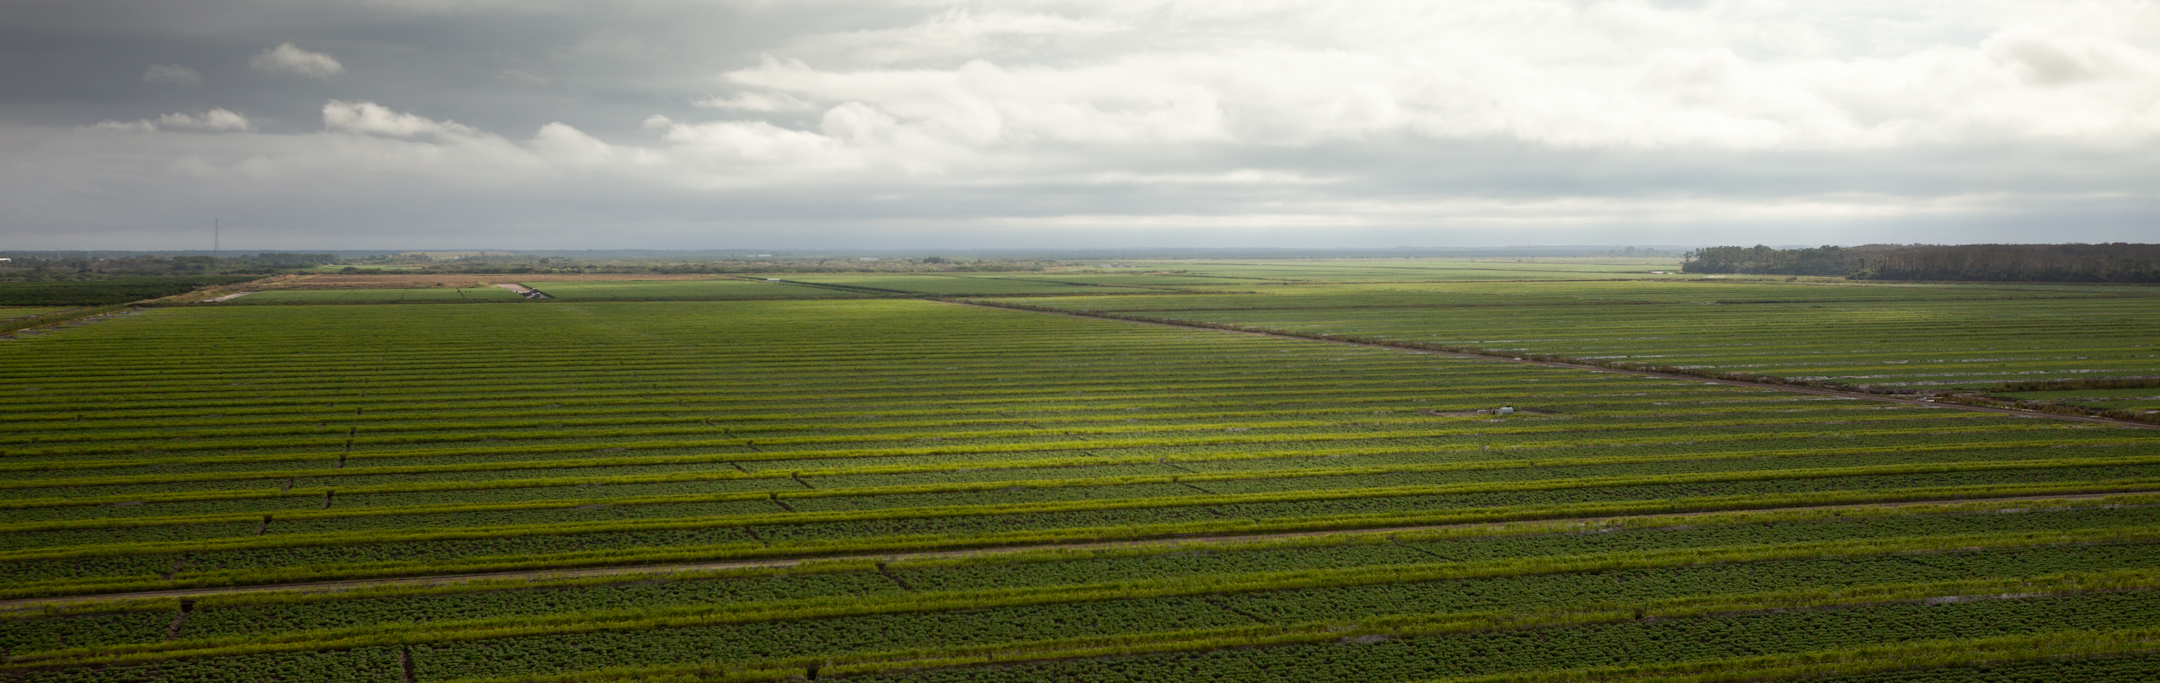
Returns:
(1507,410)
(772,279)
(866,258)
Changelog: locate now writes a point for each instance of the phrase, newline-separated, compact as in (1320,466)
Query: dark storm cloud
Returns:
(679,124)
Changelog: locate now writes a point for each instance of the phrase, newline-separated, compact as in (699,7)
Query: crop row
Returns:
(792,486)
(658,644)
(671,541)
(696,614)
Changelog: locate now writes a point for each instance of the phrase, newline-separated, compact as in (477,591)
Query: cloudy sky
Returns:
(879,125)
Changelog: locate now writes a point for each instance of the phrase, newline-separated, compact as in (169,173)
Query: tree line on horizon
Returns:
(2117,262)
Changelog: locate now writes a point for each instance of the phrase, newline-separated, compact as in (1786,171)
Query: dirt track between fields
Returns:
(662,569)
(1597,368)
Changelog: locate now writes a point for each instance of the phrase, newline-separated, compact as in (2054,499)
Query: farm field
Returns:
(971,284)
(1903,336)
(687,290)
(895,489)
(376,296)
(1420,269)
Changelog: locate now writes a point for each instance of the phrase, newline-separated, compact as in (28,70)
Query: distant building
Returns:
(866,258)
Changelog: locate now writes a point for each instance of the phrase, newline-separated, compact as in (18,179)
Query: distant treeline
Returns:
(117,290)
(1986,262)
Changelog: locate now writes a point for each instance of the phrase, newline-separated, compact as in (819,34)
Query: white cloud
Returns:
(1429,123)
(220,119)
(757,101)
(1601,75)
(289,58)
(375,119)
(172,74)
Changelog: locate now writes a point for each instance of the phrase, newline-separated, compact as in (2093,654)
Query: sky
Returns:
(815,124)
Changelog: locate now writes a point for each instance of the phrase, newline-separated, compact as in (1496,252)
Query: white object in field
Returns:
(1507,410)
(772,279)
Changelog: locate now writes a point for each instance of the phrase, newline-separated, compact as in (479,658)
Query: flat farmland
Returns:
(1904,336)
(898,489)
(687,290)
(478,294)
(972,284)
(1420,269)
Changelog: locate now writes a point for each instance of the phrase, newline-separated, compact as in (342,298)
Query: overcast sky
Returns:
(877,125)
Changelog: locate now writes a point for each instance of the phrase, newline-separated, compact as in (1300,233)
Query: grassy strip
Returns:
(278,596)
(932,542)
(561,529)
(56,318)
(963,487)
(700,615)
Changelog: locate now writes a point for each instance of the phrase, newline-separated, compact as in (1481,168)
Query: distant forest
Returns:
(1983,262)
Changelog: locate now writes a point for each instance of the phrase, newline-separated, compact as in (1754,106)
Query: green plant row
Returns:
(1223,437)
(733,390)
(1046,537)
(1035,463)
(1911,656)
(281,596)
(649,421)
(322,440)
(1873,658)
(961,487)
(698,615)
(810,517)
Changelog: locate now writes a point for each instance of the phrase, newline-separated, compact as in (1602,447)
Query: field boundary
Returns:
(1563,362)
(40,322)
(22,604)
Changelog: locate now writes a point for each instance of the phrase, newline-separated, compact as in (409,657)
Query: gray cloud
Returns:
(672,124)
(172,74)
(288,58)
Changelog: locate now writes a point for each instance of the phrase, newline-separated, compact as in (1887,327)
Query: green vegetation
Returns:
(379,296)
(1888,338)
(104,292)
(1982,262)
(852,481)
(689,290)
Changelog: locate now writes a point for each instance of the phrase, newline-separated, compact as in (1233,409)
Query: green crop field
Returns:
(590,488)
(971,284)
(1894,336)
(376,296)
(688,290)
